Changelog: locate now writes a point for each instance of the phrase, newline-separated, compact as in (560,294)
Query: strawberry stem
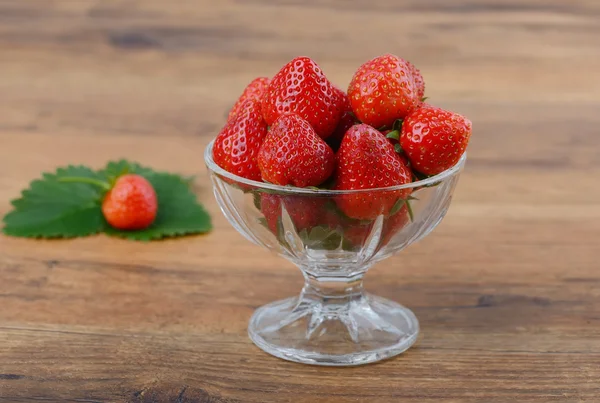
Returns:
(397,126)
(77,179)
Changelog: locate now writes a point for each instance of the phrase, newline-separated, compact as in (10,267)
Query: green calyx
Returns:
(394,135)
(402,202)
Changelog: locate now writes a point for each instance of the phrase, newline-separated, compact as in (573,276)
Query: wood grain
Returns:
(507,289)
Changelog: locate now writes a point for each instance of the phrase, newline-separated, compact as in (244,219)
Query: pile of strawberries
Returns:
(299,129)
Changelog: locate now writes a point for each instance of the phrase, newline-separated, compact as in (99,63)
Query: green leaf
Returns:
(394,134)
(411,215)
(263,221)
(401,202)
(424,99)
(256,198)
(420,176)
(397,126)
(398,148)
(397,206)
(53,209)
(321,237)
(178,212)
(114,169)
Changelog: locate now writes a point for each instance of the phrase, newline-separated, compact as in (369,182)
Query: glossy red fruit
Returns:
(304,212)
(131,204)
(418,78)
(383,90)
(354,232)
(434,139)
(367,160)
(300,87)
(395,141)
(346,121)
(293,154)
(236,146)
(394,224)
(254,90)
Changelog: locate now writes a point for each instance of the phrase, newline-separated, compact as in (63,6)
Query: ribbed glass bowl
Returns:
(333,321)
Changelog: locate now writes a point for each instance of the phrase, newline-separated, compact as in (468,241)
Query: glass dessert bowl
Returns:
(333,321)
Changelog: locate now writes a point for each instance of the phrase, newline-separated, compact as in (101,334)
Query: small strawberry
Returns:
(434,139)
(131,204)
(254,90)
(293,154)
(346,121)
(300,87)
(383,90)
(419,82)
(367,160)
(236,146)
(303,211)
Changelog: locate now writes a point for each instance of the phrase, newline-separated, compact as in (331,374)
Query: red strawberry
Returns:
(383,90)
(254,90)
(346,121)
(367,160)
(303,211)
(394,224)
(419,82)
(131,204)
(293,154)
(236,147)
(300,87)
(434,139)
(354,232)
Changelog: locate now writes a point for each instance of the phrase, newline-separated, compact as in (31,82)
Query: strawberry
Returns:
(434,139)
(130,204)
(254,90)
(353,231)
(394,139)
(303,211)
(367,160)
(383,90)
(346,121)
(394,224)
(418,78)
(236,146)
(293,154)
(300,87)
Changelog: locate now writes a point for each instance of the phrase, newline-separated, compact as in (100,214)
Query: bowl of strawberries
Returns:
(334,182)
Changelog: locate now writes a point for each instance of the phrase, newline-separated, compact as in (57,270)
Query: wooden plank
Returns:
(507,288)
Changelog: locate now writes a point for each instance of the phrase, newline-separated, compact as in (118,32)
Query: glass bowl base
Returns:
(327,331)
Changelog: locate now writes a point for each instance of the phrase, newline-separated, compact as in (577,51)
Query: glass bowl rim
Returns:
(214,168)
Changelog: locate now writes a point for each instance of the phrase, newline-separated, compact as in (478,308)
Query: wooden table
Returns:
(507,289)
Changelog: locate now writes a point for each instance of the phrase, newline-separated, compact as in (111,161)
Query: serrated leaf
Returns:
(178,212)
(52,209)
(114,169)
